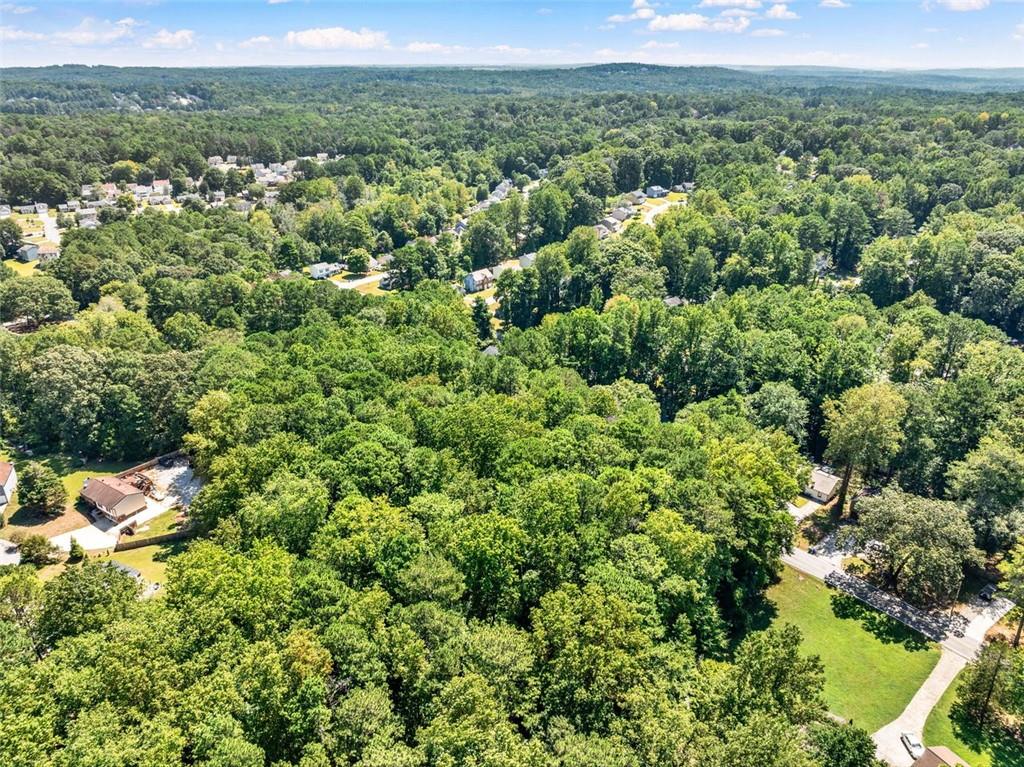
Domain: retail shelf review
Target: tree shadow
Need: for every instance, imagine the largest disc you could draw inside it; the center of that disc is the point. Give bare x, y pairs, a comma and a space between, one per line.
761, 614
885, 629
1006, 751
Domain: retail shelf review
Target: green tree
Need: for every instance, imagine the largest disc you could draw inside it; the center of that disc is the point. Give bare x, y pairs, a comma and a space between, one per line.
864, 430
40, 489
85, 597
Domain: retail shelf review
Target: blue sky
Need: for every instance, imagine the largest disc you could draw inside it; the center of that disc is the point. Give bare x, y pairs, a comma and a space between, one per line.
851, 33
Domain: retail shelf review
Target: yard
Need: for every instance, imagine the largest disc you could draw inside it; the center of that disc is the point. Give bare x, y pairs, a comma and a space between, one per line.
980, 748
72, 473
150, 561
22, 270
873, 665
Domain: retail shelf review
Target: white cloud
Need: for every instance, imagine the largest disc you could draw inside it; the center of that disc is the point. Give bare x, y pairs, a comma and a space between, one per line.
92, 31
12, 35
1018, 33
441, 48
544, 11
695, 22
643, 12
963, 5
833, 4
337, 38
178, 40
277, 2
920, 46
751, 4
256, 42
654, 45
768, 32
728, 12
781, 12
17, 10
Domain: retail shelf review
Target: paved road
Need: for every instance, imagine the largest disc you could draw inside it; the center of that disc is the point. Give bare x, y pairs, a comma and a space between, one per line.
958, 638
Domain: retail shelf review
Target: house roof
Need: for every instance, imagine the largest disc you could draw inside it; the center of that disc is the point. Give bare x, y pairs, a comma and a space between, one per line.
823, 481
939, 756
108, 491
482, 274
5, 472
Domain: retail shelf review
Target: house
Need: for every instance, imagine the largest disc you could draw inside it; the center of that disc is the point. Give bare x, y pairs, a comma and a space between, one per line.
41, 207
27, 252
460, 227
113, 497
26, 210
479, 280
636, 197
526, 260
321, 156
609, 223
110, 190
162, 186
602, 231
622, 214
939, 756
231, 159
672, 301
5, 211
88, 223
215, 160
322, 270
8, 483
74, 205
492, 351
48, 252
656, 191
824, 485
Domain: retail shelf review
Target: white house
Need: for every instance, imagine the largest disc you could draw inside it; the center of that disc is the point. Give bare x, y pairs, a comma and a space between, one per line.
479, 280
322, 270
656, 191
8, 483
823, 486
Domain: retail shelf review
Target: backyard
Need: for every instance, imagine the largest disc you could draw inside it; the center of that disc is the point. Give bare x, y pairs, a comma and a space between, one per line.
861, 649
981, 748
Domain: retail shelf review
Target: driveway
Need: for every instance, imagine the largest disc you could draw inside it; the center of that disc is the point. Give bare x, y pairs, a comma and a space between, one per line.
649, 215
50, 228
9, 554
959, 636
887, 740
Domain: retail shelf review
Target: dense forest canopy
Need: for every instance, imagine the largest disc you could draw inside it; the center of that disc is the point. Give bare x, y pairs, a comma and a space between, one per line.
423, 543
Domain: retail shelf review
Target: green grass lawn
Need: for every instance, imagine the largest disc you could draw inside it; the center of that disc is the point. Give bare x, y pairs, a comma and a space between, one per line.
980, 748
161, 525
873, 664
151, 561
22, 270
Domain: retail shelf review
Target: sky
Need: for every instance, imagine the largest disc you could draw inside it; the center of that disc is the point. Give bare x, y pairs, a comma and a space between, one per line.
905, 34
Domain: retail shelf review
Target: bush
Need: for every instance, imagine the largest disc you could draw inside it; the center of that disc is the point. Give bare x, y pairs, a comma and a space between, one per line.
36, 550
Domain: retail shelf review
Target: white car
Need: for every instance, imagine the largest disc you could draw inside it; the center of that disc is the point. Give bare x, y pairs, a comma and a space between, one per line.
913, 744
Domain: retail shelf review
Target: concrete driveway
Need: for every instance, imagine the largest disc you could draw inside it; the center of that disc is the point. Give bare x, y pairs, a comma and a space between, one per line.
960, 637
9, 554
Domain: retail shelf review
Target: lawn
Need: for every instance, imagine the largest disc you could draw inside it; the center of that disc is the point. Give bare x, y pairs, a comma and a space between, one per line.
151, 561
72, 473
21, 269
873, 665
161, 525
980, 748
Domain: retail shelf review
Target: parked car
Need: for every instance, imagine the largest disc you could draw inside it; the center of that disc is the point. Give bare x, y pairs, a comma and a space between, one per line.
989, 592
913, 744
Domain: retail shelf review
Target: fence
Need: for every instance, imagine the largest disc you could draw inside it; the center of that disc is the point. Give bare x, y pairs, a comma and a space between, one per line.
127, 544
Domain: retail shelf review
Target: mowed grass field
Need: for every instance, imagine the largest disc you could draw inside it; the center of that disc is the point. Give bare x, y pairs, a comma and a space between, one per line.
979, 747
873, 665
